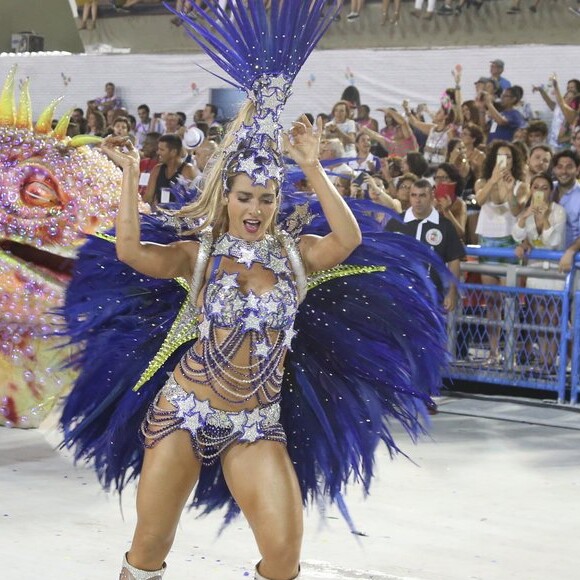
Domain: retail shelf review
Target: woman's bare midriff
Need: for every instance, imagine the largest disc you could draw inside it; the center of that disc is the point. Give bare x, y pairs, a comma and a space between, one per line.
205, 392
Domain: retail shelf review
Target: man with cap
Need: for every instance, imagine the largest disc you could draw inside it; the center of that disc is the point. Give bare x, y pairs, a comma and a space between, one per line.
495, 70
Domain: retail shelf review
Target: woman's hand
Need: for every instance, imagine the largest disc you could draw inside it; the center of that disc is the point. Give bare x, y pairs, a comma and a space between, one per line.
496, 174
374, 190
442, 204
302, 142
121, 151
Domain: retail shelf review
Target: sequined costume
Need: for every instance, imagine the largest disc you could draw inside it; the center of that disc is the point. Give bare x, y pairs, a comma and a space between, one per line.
260, 324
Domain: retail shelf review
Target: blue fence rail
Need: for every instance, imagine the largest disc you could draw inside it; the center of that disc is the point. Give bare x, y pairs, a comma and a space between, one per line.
514, 335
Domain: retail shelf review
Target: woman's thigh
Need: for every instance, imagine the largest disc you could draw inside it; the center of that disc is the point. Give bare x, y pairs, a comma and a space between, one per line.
169, 473
263, 482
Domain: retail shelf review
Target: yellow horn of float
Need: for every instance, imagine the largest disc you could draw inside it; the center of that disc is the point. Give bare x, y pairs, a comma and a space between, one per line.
80, 140
7, 111
24, 114
44, 123
62, 126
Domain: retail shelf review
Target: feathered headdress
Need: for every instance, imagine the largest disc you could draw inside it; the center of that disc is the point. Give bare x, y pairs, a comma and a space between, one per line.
262, 51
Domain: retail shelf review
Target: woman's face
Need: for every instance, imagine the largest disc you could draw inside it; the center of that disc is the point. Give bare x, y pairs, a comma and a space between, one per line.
403, 190
508, 153
543, 185
460, 149
466, 113
363, 145
339, 113
569, 96
120, 129
441, 176
467, 137
251, 208
439, 116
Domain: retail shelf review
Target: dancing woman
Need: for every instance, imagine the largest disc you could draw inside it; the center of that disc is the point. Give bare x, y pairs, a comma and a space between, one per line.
232, 375
304, 417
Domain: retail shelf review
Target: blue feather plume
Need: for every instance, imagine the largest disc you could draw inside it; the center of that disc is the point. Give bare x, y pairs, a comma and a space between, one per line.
247, 42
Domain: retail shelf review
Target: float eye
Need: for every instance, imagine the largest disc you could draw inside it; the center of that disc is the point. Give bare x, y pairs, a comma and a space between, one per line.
39, 188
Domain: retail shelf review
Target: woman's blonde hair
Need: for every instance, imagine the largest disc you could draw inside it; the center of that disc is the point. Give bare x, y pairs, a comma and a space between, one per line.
209, 207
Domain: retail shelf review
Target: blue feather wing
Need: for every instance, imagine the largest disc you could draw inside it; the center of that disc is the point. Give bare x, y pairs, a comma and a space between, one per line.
119, 318
370, 350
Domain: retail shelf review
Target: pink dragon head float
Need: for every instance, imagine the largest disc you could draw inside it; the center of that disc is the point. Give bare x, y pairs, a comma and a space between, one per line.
53, 191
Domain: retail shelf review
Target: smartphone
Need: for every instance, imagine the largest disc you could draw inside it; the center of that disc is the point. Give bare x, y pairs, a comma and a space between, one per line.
445, 190
359, 178
537, 198
501, 160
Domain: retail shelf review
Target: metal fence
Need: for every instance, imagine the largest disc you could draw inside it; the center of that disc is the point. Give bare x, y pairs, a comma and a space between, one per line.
514, 335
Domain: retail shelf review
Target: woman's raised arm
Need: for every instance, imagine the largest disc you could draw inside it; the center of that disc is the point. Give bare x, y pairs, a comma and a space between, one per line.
156, 260
320, 253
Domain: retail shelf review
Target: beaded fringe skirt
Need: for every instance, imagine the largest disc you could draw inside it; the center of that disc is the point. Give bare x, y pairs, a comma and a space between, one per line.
211, 430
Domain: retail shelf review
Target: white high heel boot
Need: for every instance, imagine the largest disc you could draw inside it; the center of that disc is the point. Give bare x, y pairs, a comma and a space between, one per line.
131, 573
258, 576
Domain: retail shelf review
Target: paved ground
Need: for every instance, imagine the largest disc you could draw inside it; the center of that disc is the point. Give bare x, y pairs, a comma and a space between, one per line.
493, 495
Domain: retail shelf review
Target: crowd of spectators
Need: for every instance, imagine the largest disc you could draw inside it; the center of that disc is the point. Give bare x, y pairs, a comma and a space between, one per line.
488, 168
352, 8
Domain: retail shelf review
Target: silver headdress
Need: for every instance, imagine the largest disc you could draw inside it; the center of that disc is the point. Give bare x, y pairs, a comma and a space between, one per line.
262, 51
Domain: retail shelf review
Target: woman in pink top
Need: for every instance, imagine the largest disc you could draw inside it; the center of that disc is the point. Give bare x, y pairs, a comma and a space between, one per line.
402, 139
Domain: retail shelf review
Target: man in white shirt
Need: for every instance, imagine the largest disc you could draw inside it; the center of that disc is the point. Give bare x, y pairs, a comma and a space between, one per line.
147, 125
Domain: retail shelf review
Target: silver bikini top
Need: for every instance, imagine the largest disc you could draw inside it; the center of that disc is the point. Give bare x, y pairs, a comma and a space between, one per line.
226, 306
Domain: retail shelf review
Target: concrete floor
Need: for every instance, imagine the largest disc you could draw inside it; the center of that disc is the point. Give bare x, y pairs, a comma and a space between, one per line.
493, 495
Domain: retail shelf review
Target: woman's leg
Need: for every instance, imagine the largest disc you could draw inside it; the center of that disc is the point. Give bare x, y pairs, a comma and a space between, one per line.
85, 16
94, 12
263, 482
170, 471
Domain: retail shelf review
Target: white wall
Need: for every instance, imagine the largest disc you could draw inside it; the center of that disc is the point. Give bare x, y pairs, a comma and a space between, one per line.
383, 77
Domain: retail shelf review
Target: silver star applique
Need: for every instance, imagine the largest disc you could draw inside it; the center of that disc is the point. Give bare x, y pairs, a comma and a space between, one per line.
238, 421
262, 349
271, 306
223, 246
254, 417
278, 265
204, 329
248, 165
228, 281
260, 177
267, 125
247, 256
288, 336
250, 434
193, 422
251, 322
283, 286
252, 301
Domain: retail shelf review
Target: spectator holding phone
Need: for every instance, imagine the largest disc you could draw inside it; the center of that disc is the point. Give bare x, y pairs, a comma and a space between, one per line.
502, 194
542, 225
365, 160
448, 200
505, 124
